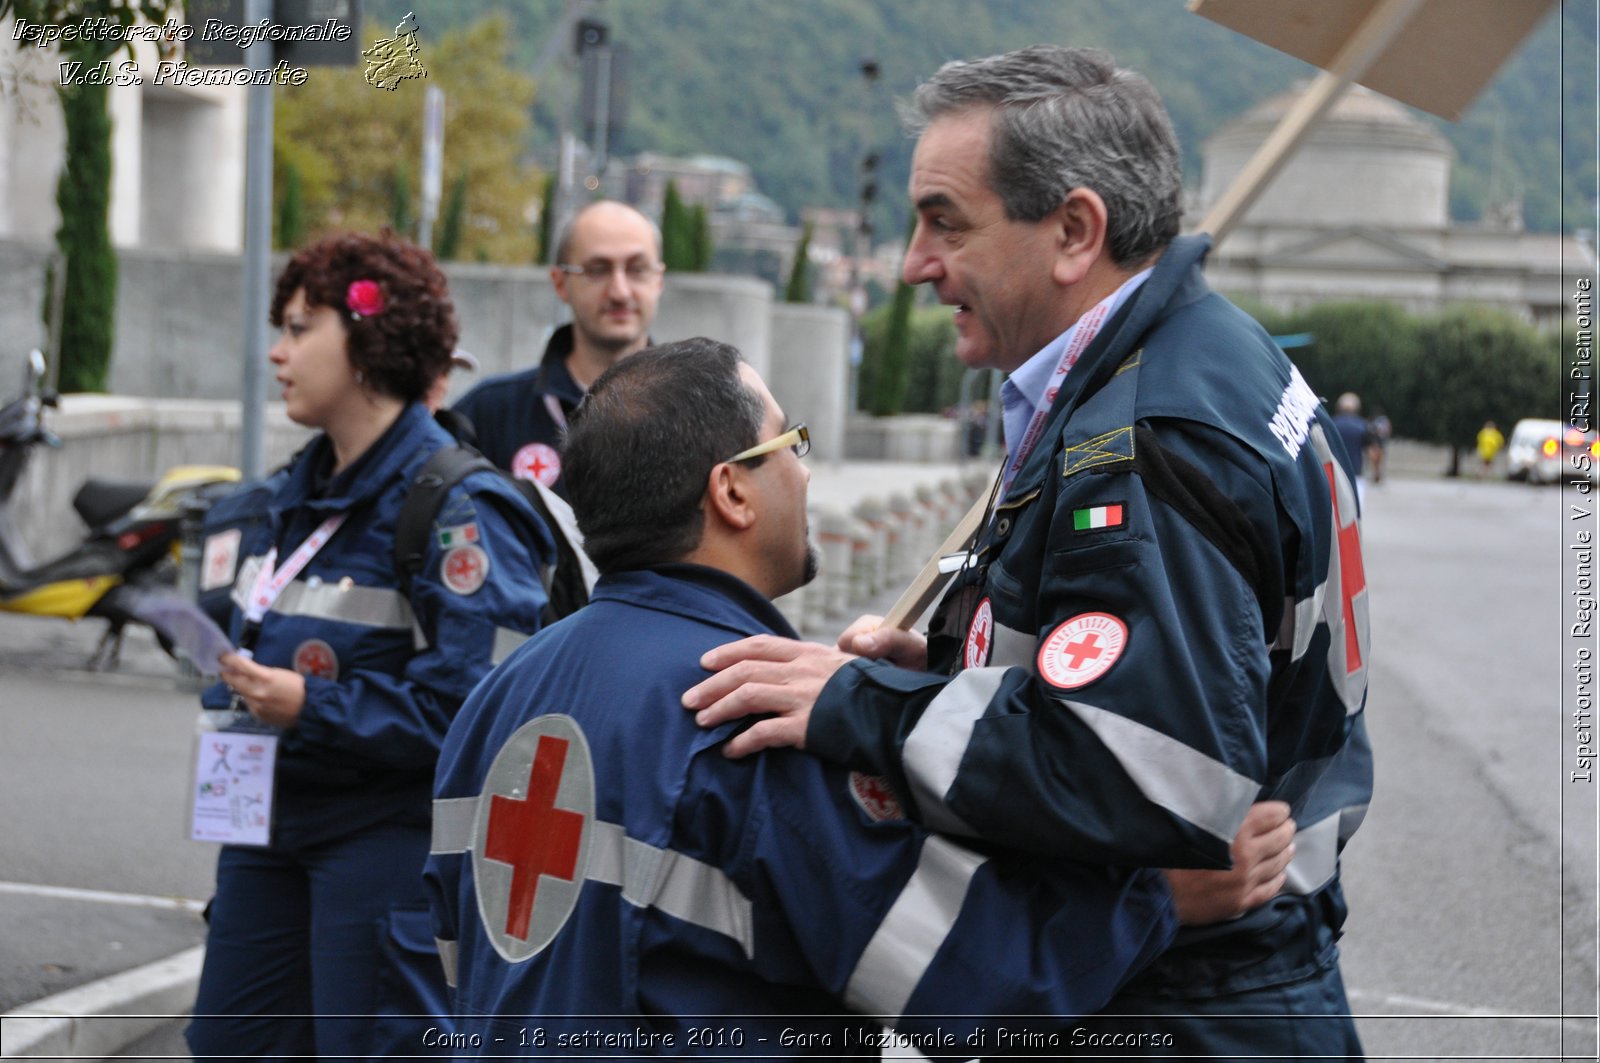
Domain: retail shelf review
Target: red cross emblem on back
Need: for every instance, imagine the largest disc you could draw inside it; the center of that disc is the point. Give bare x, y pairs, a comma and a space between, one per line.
534, 836
1352, 574
530, 853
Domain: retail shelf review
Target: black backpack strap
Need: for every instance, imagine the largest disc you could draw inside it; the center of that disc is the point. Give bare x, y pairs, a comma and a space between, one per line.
432, 483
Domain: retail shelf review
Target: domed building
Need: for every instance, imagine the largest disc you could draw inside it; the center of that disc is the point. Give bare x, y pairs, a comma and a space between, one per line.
1362, 211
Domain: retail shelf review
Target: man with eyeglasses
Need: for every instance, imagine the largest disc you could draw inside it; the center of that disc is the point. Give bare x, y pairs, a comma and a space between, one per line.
598, 861
608, 270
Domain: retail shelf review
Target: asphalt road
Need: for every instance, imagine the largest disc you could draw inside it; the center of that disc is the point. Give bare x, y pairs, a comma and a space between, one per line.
1471, 884
1470, 903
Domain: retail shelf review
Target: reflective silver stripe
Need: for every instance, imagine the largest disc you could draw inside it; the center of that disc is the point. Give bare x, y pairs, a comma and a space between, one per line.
934, 748
650, 877
1300, 623
1180, 779
1316, 856
1316, 849
909, 937
452, 825
449, 959
1014, 649
1350, 820
371, 606
506, 640
670, 882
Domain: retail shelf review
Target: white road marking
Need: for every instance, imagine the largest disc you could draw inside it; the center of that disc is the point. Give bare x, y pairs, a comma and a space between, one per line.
132, 900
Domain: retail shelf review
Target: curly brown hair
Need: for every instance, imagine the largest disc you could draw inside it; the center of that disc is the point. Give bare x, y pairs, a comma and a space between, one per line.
401, 350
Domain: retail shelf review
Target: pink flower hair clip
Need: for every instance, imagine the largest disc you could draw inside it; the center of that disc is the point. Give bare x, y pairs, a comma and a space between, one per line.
364, 298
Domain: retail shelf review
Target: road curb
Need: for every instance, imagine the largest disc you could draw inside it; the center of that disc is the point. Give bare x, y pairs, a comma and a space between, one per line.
99, 1019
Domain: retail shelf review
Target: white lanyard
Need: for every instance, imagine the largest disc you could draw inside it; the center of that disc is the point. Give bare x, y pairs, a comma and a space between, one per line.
269, 583
1083, 332
557, 414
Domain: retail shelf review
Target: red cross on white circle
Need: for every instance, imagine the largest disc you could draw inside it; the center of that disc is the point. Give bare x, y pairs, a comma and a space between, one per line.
316, 658
1082, 650
1085, 649
537, 461
464, 568
980, 636
531, 835
534, 836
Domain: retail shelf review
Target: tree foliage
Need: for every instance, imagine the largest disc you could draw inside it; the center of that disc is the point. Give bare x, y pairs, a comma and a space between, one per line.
677, 237
349, 140
83, 195
1369, 348
402, 219
701, 249
1437, 376
547, 221
291, 214
798, 289
788, 98
1479, 365
447, 244
83, 190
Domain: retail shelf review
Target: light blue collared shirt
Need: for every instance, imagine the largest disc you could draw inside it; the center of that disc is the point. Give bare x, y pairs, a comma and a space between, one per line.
1023, 391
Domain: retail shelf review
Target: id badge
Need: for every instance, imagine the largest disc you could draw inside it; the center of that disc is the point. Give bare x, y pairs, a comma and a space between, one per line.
230, 789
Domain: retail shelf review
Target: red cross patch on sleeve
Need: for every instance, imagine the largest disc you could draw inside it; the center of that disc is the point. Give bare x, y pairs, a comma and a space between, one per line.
1082, 650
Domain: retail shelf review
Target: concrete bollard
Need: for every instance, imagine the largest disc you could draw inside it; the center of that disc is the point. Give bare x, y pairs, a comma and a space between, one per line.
905, 536
934, 524
834, 534
875, 515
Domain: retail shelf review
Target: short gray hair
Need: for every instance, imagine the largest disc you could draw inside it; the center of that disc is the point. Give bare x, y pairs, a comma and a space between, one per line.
1068, 118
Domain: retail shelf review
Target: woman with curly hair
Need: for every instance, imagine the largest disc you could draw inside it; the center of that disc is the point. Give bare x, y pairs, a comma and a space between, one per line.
320, 942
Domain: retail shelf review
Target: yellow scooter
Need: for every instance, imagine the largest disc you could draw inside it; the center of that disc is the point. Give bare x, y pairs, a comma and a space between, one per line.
135, 528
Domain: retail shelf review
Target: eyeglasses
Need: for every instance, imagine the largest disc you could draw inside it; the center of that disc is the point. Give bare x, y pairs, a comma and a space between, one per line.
600, 271
798, 438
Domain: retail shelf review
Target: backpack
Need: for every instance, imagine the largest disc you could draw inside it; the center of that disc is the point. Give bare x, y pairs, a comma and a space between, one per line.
567, 579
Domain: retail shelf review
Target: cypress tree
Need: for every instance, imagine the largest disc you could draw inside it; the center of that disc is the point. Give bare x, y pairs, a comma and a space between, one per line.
291, 210
450, 227
547, 221
83, 196
700, 234
893, 371
400, 216
677, 245
799, 289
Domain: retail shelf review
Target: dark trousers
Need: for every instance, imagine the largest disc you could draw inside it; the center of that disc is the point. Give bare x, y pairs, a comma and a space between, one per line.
1273, 993
326, 951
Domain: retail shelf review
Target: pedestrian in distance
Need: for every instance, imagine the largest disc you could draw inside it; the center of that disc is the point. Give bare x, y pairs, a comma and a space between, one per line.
609, 272
1164, 617
658, 897
1378, 451
1357, 437
319, 942
1490, 443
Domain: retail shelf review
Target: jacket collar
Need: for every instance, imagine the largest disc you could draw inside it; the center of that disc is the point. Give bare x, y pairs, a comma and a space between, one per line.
387, 459
1175, 281
706, 594
554, 376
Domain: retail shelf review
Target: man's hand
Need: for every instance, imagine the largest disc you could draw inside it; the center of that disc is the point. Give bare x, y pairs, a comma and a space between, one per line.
1261, 853
272, 695
908, 649
760, 675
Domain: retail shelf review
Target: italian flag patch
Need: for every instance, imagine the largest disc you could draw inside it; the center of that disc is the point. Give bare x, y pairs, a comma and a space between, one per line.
460, 535
1094, 518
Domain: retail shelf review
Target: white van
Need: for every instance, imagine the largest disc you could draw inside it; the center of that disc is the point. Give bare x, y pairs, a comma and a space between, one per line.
1542, 452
